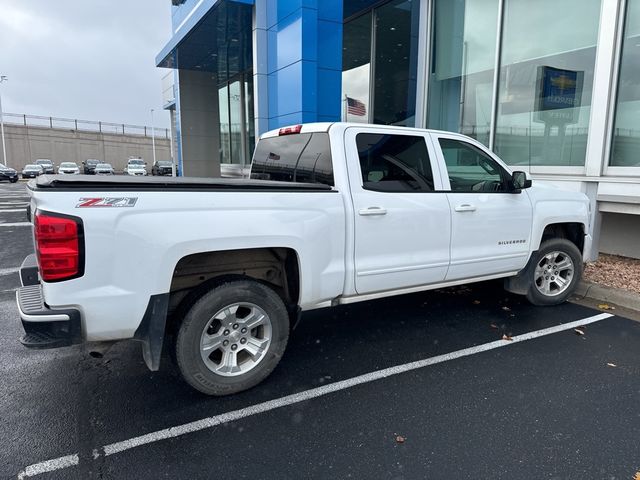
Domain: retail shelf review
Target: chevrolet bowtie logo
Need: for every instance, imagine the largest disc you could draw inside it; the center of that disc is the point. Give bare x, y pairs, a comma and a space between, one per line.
563, 82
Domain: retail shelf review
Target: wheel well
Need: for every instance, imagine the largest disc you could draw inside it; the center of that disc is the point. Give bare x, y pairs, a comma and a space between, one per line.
574, 232
276, 267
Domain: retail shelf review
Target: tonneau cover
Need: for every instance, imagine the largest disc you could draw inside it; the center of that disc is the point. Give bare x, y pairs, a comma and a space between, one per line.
129, 183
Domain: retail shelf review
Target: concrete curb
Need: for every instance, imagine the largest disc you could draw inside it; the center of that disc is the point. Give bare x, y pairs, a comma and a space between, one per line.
617, 296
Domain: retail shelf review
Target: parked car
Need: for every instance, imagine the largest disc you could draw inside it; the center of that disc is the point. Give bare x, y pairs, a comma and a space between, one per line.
383, 211
89, 166
162, 167
32, 171
136, 166
104, 169
47, 165
68, 168
7, 173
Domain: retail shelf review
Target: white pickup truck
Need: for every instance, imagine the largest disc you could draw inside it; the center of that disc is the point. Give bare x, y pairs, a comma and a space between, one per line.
220, 269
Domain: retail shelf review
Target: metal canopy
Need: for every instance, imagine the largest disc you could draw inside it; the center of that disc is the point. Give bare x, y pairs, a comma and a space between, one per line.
215, 38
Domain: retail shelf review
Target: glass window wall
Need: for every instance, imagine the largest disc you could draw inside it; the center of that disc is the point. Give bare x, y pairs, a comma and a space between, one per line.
626, 134
381, 47
395, 62
237, 131
462, 66
356, 65
546, 78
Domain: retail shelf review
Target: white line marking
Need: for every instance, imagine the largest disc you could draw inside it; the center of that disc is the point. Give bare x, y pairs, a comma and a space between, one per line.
12, 210
17, 224
227, 417
8, 271
49, 466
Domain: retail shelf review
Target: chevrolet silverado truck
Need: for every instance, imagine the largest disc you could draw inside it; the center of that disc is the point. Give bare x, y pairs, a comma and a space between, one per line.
219, 270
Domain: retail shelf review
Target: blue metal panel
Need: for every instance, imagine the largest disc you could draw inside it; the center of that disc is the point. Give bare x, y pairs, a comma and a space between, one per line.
330, 35
304, 60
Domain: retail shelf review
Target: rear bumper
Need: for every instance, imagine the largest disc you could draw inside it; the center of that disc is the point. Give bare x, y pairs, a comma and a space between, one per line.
44, 327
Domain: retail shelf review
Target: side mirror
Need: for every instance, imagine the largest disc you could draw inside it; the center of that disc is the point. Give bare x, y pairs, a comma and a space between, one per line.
520, 180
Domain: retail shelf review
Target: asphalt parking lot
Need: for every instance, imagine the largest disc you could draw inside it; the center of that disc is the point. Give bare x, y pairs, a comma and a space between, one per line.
347, 401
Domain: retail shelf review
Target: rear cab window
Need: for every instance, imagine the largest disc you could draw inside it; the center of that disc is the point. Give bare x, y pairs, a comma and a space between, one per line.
300, 158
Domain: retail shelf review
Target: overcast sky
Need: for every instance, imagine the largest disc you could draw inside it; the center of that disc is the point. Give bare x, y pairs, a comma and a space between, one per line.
85, 59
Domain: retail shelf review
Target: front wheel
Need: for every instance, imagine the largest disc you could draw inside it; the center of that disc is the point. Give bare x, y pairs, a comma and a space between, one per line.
232, 337
555, 272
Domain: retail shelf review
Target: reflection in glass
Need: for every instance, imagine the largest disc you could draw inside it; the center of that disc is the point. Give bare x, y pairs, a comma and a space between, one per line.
626, 134
235, 121
462, 66
356, 65
225, 137
395, 63
249, 120
546, 79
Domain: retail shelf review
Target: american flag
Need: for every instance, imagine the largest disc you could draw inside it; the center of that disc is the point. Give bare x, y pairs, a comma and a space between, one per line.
356, 107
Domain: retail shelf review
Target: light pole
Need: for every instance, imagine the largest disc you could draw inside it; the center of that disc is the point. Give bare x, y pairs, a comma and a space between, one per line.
3, 78
153, 138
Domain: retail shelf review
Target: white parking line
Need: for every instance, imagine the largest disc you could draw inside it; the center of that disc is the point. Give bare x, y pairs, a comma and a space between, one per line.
11, 210
16, 224
209, 422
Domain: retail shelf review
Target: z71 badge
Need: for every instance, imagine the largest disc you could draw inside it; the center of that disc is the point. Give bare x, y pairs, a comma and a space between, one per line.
107, 202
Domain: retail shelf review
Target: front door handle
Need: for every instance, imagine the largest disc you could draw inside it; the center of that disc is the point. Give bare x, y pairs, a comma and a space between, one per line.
465, 207
367, 212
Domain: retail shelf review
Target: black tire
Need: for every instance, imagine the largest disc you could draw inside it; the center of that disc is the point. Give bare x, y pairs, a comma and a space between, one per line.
564, 247
14, 180
193, 368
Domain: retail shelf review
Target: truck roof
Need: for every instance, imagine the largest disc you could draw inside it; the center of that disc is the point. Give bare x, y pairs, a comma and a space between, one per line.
326, 126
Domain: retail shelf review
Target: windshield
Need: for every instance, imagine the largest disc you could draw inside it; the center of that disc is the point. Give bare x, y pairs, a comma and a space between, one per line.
93, 162
136, 162
32, 167
44, 162
68, 165
164, 164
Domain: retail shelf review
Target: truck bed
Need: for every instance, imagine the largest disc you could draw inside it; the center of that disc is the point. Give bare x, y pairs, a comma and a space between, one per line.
131, 183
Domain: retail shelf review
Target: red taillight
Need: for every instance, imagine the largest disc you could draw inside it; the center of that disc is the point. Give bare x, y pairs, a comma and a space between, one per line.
290, 130
58, 246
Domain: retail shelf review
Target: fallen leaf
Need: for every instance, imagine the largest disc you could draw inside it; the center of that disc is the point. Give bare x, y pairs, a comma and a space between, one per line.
494, 326
507, 337
579, 331
606, 306
506, 309
400, 439
636, 476
476, 302
614, 365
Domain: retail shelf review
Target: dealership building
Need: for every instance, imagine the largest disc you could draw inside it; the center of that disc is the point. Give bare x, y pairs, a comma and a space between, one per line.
551, 86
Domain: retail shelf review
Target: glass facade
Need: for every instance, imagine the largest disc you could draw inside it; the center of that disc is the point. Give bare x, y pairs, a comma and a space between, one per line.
625, 151
463, 53
237, 130
380, 55
546, 80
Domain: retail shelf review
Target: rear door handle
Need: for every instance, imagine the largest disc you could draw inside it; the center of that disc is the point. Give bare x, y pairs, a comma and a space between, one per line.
465, 207
367, 212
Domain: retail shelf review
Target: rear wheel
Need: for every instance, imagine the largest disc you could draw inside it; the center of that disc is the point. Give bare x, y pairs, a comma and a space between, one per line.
555, 272
232, 337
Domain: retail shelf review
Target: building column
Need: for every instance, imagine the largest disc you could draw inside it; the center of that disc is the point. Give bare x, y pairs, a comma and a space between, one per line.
297, 62
199, 124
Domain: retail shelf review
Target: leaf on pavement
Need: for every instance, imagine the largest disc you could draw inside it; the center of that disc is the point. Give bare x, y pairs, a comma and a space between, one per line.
494, 326
506, 309
614, 365
636, 476
476, 302
507, 337
606, 306
579, 330
400, 439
